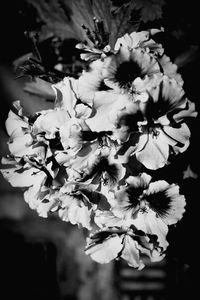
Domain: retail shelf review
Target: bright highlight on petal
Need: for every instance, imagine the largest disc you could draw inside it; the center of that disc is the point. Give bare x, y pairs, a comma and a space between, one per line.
94, 159
106, 251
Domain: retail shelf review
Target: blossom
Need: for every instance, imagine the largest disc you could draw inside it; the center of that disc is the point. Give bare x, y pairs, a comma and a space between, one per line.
151, 206
106, 104
135, 55
78, 201
20, 137
91, 158
90, 82
141, 39
71, 134
170, 69
95, 163
120, 70
126, 243
69, 97
75, 205
35, 179
50, 121
97, 42
163, 130
65, 94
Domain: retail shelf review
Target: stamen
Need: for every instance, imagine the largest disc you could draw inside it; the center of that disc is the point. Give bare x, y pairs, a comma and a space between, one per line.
155, 132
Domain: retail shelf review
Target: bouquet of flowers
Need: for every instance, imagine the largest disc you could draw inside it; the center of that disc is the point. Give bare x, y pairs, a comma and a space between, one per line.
91, 158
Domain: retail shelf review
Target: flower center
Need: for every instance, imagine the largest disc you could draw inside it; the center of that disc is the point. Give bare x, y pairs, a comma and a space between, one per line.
154, 131
149, 128
134, 195
160, 203
126, 73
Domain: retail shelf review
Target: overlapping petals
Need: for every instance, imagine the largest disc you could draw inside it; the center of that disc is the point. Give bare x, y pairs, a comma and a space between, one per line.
141, 39
151, 206
160, 130
126, 243
20, 137
121, 69
84, 159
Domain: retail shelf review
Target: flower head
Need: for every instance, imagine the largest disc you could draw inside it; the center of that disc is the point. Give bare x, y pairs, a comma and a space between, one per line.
91, 158
129, 244
152, 206
161, 130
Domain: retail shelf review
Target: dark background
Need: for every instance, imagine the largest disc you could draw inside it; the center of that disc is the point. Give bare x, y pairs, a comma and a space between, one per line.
32, 263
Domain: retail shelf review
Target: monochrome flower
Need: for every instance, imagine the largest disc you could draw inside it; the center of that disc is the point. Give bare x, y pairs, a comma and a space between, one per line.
121, 70
93, 159
126, 243
141, 39
162, 130
152, 206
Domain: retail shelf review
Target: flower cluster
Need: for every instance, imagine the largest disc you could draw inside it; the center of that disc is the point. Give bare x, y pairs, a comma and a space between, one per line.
88, 159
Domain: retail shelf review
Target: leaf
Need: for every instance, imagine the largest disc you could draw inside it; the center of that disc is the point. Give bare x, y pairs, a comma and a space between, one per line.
121, 21
150, 10
65, 18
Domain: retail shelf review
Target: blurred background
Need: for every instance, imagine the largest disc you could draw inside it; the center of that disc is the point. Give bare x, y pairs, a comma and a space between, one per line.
44, 258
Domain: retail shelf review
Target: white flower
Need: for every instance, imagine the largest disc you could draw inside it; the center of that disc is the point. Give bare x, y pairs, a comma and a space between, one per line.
20, 137
84, 158
78, 201
75, 211
50, 121
140, 39
126, 243
71, 134
121, 70
152, 207
163, 130
65, 95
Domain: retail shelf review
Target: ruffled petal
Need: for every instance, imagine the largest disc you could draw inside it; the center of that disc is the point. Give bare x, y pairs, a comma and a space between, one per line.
66, 94
21, 145
155, 153
131, 253
71, 134
166, 200
170, 69
106, 219
79, 214
180, 137
105, 105
105, 251
33, 193
19, 177
151, 224
49, 121
15, 126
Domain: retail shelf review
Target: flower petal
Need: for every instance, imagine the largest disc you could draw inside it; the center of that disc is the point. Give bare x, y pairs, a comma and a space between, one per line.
79, 214
15, 125
106, 251
131, 253
151, 224
65, 92
180, 136
155, 153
